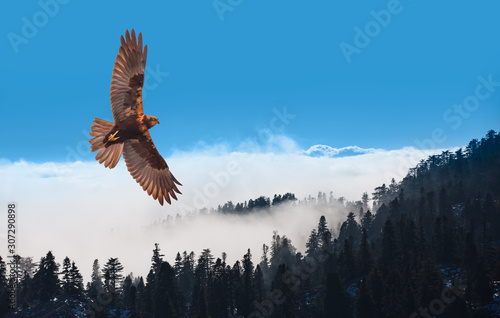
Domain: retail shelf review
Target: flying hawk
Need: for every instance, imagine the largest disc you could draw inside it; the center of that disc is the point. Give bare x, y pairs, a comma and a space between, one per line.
129, 133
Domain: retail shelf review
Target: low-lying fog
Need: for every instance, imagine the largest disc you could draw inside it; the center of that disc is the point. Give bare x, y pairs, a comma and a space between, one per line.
84, 211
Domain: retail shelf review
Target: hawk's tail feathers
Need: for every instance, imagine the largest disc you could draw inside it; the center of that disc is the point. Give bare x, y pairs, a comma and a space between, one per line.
109, 155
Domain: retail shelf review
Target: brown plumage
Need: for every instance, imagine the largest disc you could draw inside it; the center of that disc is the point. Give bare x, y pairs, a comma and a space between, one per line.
129, 133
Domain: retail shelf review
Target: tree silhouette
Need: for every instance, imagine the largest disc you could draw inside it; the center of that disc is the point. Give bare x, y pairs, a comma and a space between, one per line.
113, 276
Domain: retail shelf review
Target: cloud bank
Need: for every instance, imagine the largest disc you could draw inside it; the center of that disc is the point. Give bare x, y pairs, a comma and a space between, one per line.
84, 211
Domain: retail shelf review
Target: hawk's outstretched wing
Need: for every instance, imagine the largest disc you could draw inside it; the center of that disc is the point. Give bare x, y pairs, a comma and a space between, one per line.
149, 169
128, 78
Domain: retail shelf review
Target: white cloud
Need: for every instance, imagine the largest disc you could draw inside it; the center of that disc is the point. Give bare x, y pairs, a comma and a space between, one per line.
84, 211
324, 150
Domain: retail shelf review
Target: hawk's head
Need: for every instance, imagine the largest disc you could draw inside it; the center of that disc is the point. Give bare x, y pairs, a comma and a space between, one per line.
152, 120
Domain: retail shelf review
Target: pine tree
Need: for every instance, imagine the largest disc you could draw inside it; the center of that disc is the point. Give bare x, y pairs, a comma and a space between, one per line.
363, 306
284, 282
113, 278
312, 244
26, 294
220, 298
389, 251
156, 260
480, 285
376, 291
76, 287
147, 295
46, 280
201, 305
429, 282
367, 220
246, 295
132, 305
336, 303
364, 199
168, 300
126, 287
364, 255
324, 235
350, 229
95, 280
347, 261
186, 276
394, 210
66, 280
139, 300
259, 284
3, 288
178, 265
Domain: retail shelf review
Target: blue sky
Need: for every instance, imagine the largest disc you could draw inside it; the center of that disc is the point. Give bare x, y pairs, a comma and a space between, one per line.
216, 76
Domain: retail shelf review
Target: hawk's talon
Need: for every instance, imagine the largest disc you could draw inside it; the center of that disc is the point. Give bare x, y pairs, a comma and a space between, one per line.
112, 137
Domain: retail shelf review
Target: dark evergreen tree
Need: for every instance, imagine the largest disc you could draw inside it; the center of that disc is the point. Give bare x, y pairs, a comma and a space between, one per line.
178, 265
127, 284
26, 293
156, 261
348, 264
201, 306
76, 288
367, 220
429, 283
220, 299
132, 304
376, 291
245, 295
363, 306
186, 276
336, 303
46, 280
139, 296
147, 294
66, 282
284, 284
324, 235
364, 257
389, 248
4, 297
113, 276
259, 284
96, 280
168, 300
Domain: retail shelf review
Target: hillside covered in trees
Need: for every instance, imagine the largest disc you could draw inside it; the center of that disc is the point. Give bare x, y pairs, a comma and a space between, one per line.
427, 246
